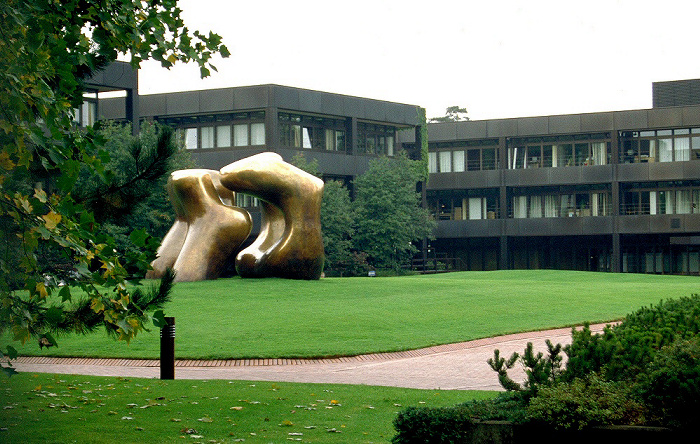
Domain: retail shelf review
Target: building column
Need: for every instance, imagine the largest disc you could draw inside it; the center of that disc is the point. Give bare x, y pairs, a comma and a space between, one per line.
352, 135
271, 128
616, 259
132, 110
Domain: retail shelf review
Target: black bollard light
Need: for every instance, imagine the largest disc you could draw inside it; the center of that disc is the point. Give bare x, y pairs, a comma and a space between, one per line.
167, 349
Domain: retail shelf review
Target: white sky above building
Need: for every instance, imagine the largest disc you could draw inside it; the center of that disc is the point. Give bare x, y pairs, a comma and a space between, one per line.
497, 58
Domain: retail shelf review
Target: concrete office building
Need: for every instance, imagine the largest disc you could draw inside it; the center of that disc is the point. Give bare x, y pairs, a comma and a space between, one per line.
609, 191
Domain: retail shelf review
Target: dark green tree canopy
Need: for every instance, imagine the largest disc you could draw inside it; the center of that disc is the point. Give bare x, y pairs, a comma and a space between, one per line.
452, 114
388, 215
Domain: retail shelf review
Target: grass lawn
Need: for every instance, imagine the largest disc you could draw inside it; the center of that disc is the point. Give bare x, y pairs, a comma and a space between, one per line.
266, 318
43, 408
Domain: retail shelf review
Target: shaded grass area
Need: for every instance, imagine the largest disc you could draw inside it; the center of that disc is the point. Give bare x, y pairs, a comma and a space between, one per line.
43, 408
268, 318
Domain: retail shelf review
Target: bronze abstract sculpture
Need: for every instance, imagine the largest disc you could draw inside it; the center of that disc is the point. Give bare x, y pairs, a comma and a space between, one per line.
294, 198
208, 229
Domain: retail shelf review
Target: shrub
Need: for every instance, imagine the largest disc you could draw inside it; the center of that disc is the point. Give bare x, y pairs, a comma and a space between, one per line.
624, 351
586, 402
432, 425
671, 386
455, 424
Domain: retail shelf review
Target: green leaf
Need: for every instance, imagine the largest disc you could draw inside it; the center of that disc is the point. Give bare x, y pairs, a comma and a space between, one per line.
11, 352
139, 237
54, 315
9, 371
65, 293
159, 319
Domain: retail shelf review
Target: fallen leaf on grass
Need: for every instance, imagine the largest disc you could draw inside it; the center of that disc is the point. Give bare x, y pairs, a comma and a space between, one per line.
205, 419
236, 408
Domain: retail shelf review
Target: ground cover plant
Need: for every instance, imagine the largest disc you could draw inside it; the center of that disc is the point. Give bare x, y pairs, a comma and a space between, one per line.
270, 318
67, 408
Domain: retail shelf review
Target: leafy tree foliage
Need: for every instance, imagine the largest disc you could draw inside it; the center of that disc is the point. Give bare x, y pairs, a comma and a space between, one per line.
136, 196
388, 215
48, 49
337, 225
452, 114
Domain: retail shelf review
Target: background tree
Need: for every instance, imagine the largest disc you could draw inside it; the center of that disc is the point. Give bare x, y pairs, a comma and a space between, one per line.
336, 217
337, 225
136, 197
452, 114
388, 215
48, 49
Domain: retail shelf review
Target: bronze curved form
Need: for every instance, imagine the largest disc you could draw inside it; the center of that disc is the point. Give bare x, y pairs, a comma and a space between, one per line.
249, 261
296, 253
206, 232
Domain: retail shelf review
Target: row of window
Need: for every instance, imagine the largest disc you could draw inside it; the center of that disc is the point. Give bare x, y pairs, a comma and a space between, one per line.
635, 147
465, 208
660, 146
311, 132
225, 136
457, 161
565, 154
686, 201
680, 260
561, 205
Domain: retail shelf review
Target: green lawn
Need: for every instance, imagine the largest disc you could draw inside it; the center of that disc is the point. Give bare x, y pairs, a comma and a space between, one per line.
237, 318
42, 408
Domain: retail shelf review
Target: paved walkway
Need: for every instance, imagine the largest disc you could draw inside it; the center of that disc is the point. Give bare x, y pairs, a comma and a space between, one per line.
460, 366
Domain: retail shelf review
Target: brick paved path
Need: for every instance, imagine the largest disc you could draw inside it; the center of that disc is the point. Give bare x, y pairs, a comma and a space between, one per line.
460, 366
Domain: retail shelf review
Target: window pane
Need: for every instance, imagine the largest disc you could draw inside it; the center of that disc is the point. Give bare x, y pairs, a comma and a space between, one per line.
223, 136
257, 134
191, 138
473, 160
432, 163
330, 140
458, 161
240, 135
681, 149
600, 156
390, 145
519, 207
665, 154
306, 138
489, 159
340, 140
445, 161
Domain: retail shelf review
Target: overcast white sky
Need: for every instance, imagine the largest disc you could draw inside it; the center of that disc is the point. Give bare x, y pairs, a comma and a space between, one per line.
497, 58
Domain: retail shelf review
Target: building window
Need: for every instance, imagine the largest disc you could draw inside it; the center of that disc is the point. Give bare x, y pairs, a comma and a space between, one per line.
663, 199
257, 133
541, 153
445, 161
248, 129
240, 135
191, 138
561, 204
375, 139
676, 145
223, 136
311, 132
461, 205
246, 200
432, 162
207, 133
